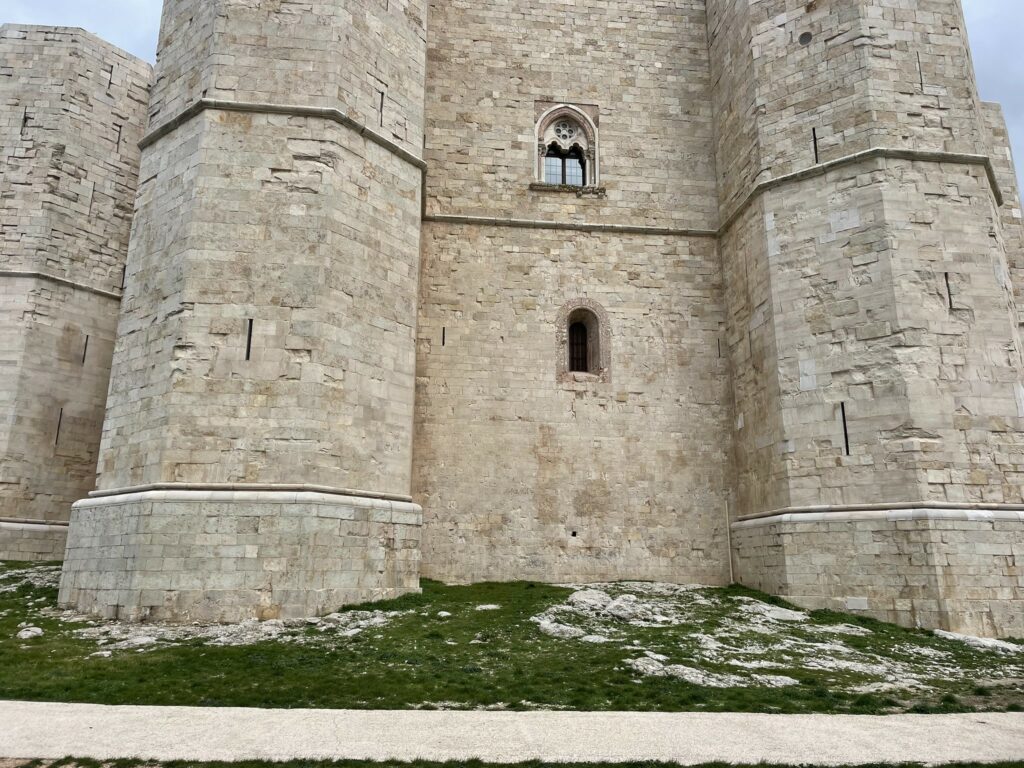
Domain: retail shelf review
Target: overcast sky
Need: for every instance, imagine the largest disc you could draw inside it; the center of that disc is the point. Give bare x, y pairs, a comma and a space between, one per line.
996, 28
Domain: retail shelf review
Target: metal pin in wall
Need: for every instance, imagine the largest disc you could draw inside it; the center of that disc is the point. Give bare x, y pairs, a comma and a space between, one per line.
846, 430
248, 342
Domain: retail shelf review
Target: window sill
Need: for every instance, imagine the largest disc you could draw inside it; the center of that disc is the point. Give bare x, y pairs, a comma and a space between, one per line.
538, 186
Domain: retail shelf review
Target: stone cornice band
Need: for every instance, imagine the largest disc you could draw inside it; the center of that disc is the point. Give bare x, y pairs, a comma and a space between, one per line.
292, 110
916, 510
916, 155
61, 281
15, 523
323, 490
337, 116
627, 229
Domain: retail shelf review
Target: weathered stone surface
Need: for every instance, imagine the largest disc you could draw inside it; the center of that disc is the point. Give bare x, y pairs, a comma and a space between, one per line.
183, 556
72, 110
801, 266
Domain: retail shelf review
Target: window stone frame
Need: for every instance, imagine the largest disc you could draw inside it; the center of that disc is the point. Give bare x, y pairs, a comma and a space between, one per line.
592, 151
598, 331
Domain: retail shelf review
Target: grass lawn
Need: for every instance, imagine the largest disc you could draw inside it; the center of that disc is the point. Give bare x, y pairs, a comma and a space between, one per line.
492, 645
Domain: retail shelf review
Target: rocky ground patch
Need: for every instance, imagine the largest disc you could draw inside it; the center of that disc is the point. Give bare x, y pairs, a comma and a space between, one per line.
508, 646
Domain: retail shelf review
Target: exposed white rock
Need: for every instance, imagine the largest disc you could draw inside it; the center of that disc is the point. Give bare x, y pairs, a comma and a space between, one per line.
984, 643
443, 615
589, 599
28, 633
488, 607
561, 631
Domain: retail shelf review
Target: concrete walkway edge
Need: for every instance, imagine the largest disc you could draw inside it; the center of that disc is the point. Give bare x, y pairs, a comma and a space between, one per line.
49, 730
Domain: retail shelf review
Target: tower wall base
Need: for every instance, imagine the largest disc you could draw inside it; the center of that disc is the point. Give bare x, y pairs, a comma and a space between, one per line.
960, 570
233, 555
25, 540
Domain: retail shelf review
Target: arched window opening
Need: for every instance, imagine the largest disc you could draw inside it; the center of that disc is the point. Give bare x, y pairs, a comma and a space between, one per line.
567, 148
578, 362
584, 343
568, 168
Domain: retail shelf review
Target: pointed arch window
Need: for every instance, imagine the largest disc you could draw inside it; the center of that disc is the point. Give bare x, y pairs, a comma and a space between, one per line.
567, 148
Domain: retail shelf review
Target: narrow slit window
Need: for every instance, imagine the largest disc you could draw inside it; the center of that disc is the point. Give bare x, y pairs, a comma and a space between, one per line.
60, 421
846, 429
248, 342
85, 349
579, 348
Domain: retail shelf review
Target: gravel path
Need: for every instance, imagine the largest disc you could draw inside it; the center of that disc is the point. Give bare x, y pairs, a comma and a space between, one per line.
44, 730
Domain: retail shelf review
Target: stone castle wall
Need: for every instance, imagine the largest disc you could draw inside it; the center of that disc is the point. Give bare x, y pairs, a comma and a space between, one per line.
73, 113
267, 337
872, 310
805, 255
522, 473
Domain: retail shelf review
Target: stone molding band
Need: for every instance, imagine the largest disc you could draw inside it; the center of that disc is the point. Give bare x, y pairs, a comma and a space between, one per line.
888, 153
235, 488
888, 513
11, 523
61, 281
626, 229
292, 110
916, 155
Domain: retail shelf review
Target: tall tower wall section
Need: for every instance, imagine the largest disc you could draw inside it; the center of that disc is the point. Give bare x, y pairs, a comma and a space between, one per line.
525, 469
261, 414
872, 310
73, 112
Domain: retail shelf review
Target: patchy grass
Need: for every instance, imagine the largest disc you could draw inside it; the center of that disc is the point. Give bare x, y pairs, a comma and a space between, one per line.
84, 763
403, 654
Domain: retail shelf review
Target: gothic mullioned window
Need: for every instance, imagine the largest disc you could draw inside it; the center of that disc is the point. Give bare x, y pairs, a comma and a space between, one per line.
567, 148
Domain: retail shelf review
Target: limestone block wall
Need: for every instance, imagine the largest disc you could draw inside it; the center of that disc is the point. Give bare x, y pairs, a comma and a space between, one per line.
868, 298
930, 568
267, 338
162, 556
522, 473
643, 68
268, 328
73, 113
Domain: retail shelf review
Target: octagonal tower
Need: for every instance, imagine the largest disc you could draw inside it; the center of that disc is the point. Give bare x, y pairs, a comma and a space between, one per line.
256, 453
872, 312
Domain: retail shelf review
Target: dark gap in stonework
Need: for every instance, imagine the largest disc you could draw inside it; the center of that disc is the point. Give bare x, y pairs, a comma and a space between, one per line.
846, 429
248, 342
949, 292
381, 108
24, 122
444, 336
85, 349
814, 137
124, 276
60, 420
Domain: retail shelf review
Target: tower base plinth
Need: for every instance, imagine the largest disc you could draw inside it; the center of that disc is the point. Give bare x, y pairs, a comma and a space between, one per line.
933, 567
233, 555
